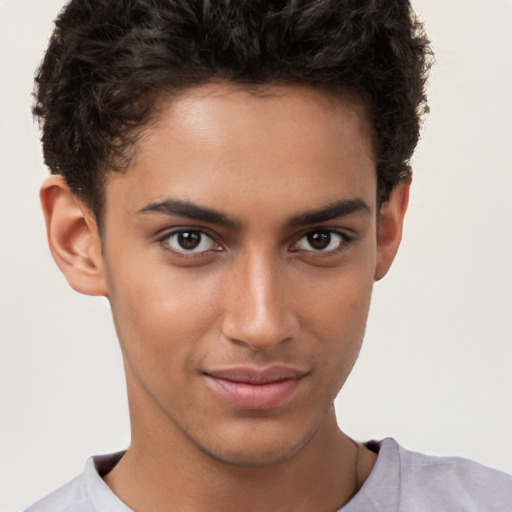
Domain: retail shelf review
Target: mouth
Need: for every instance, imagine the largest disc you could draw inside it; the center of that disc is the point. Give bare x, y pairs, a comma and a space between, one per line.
250, 388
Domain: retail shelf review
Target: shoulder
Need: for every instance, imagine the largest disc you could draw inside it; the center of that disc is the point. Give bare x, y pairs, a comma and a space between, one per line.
71, 496
458, 483
406, 481
85, 493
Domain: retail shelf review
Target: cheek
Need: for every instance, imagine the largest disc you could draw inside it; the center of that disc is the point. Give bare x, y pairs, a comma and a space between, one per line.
336, 315
338, 301
343, 330
341, 343
160, 312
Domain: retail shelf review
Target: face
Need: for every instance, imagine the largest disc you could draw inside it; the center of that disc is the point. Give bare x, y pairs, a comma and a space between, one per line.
240, 251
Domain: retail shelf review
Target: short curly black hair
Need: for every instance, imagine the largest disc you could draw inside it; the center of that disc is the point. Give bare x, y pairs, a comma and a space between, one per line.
109, 61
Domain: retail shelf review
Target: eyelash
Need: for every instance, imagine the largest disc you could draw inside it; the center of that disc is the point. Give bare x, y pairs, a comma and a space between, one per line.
164, 241
343, 245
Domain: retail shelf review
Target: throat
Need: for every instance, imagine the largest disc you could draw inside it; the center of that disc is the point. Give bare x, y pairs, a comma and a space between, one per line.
324, 475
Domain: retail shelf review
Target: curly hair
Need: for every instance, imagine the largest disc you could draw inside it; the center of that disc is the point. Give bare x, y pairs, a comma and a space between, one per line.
109, 61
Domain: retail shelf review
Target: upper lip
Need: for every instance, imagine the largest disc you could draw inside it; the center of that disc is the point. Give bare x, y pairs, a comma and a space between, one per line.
251, 375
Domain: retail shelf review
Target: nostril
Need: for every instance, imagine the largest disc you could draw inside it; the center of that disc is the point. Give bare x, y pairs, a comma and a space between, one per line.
259, 332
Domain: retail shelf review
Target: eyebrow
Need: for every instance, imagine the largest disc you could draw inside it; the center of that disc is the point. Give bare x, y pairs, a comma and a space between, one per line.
181, 208
188, 210
333, 210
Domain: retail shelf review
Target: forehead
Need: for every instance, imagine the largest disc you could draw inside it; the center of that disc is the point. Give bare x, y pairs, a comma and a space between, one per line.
223, 145
221, 112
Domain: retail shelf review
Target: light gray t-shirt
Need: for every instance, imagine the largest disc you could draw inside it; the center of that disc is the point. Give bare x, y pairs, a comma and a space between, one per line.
401, 481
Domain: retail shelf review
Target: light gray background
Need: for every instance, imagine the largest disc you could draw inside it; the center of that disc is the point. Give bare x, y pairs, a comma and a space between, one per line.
435, 370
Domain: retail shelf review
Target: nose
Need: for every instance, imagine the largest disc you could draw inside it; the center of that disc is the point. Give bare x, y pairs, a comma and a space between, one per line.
259, 310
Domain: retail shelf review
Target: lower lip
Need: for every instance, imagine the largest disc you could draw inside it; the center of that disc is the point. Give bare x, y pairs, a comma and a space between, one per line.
255, 396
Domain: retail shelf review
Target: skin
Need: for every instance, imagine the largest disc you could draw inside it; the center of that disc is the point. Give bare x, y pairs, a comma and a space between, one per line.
255, 293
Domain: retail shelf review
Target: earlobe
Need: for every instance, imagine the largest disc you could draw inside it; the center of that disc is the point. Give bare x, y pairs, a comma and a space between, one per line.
391, 223
73, 237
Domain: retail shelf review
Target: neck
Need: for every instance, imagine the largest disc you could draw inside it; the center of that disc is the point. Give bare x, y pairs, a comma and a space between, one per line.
163, 471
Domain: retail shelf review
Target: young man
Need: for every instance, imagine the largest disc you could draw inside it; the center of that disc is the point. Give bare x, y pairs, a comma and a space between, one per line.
233, 177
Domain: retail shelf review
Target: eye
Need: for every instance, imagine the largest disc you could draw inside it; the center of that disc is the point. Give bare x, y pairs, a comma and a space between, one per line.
189, 241
322, 240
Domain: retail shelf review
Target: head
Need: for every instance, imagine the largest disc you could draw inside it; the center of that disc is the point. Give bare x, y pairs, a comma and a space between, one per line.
233, 176
111, 64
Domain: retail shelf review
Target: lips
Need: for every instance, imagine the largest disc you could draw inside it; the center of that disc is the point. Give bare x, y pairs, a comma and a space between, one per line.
250, 388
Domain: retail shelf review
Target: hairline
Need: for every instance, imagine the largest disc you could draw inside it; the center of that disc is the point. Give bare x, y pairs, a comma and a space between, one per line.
350, 98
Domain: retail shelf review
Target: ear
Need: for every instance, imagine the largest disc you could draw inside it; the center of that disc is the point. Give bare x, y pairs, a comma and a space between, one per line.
73, 237
391, 223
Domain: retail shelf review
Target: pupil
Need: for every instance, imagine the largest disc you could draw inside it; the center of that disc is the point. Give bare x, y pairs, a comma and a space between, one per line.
189, 239
319, 239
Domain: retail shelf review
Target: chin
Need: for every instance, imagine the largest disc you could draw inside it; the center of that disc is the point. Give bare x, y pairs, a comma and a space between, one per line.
250, 457
254, 450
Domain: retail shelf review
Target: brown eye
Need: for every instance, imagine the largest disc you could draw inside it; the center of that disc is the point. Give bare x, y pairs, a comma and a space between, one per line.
189, 241
322, 241
319, 240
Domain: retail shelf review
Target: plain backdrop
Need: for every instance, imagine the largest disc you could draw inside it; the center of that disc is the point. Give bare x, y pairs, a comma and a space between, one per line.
435, 371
